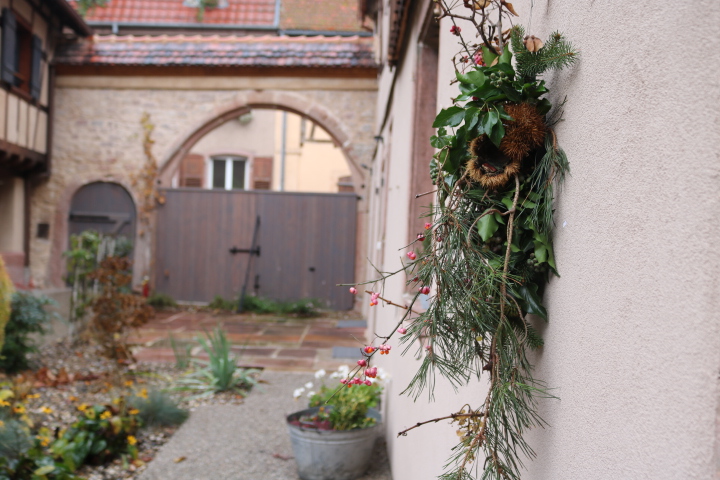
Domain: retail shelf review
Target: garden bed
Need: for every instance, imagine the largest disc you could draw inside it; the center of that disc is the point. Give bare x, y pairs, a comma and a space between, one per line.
68, 379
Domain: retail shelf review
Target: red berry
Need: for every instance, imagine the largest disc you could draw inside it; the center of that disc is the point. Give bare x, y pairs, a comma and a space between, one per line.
362, 363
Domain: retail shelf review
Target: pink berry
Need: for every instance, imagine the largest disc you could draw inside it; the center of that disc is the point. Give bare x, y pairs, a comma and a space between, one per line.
424, 290
371, 372
420, 237
362, 363
343, 381
428, 225
353, 290
455, 30
368, 382
369, 349
411, 255
402, 331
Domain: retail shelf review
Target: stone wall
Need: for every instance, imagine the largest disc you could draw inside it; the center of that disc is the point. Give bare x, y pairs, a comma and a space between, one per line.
98, 137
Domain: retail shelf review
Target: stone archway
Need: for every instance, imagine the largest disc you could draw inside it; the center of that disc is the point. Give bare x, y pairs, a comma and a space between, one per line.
290, 102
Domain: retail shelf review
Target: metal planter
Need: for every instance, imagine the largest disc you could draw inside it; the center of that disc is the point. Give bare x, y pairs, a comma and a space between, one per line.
331, 454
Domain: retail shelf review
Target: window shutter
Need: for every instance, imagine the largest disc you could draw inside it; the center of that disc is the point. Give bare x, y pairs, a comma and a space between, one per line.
262, 173
9, 47
36, 75
192, 171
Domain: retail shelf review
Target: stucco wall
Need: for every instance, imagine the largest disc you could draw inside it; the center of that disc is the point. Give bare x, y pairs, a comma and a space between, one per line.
632, 348
98, 137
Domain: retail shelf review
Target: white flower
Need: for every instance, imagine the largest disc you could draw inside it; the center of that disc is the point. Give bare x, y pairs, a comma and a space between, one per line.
310, 394
320, 373
309, 385
298, 392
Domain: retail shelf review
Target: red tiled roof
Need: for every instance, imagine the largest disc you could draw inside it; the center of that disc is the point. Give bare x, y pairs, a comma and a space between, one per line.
325, 15
230, 51
159, 12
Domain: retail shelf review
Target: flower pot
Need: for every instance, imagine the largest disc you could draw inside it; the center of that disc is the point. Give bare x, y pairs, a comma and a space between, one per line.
332, 454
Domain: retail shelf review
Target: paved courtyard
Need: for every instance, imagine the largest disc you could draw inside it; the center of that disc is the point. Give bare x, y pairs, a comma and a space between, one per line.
268, 341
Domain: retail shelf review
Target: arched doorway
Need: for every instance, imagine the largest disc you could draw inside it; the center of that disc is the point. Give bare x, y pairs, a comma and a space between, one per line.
104, 207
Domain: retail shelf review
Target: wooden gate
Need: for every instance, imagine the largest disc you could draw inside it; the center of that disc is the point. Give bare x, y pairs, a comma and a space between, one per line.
306, 240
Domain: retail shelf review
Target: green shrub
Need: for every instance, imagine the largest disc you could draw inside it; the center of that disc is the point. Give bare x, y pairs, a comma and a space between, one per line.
15, 439
219, 303
158, 409
161, 300
6, 291
303, 308
349, 405
27, 317
100, 433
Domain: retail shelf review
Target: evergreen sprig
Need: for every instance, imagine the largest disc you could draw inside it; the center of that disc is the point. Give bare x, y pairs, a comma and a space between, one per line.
556, 54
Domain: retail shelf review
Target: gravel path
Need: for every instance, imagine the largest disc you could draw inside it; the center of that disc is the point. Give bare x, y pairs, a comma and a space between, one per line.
243, 442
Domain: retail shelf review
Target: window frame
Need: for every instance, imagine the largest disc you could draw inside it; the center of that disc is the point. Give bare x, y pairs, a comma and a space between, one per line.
229, 166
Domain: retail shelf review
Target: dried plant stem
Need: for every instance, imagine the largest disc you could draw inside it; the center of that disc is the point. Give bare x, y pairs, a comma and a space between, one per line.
452, 416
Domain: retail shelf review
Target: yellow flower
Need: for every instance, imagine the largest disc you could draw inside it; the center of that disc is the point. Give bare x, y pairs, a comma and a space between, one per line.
143, 393
33, 395
90, 413
82, 407
131, 440
133, 411
47, 410
128, 383
105, 414
4, 403
72, 398
44, 441
2, 424
19, 409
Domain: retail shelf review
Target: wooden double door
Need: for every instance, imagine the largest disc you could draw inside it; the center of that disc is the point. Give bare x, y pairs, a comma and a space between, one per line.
306, 245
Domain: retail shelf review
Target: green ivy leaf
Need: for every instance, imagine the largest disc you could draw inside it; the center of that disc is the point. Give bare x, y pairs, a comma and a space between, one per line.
497, 133
511, 93
490, 119
499, 218
541, 253
471, 117
529, 300
449, 117
543, 106
503, 114
477, 78
488, 56
506, 57
487, 226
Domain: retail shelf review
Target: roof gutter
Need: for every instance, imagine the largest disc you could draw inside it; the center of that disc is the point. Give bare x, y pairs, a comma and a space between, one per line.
324, 33
116, 25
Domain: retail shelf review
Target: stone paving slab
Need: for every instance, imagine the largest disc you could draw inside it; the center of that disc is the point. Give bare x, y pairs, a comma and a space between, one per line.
276, 343
243, 442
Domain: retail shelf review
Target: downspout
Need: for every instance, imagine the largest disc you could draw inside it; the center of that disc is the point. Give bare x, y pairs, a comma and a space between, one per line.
276, 20
282, 151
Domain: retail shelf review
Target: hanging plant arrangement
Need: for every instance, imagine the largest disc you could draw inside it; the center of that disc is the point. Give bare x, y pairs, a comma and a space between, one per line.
487, 251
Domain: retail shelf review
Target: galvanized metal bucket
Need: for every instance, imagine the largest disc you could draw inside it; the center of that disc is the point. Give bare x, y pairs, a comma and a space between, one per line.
331, 454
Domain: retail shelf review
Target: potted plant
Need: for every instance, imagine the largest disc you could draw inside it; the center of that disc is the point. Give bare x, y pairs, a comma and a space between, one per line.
333, 439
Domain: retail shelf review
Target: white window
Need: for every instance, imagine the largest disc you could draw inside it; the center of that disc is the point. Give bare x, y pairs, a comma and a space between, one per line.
228, 173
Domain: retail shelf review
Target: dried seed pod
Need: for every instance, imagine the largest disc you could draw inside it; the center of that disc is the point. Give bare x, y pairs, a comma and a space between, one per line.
533, 44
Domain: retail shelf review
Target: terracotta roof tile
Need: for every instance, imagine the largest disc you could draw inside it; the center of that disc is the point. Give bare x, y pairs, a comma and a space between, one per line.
228, 51
325, 15
158, 12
